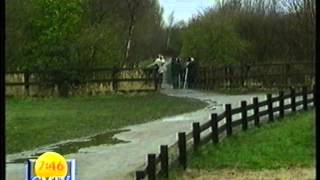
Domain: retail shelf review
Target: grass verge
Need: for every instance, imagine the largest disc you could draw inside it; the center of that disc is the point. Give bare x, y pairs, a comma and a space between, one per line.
286, 144
32, 122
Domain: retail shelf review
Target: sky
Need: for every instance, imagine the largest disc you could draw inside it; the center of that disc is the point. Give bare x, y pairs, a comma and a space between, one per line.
184, 9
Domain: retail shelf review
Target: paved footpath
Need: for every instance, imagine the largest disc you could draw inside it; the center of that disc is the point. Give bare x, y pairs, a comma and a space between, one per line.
119, 161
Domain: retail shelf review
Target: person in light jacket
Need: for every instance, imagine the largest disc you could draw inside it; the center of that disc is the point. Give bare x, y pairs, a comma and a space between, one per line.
158, 66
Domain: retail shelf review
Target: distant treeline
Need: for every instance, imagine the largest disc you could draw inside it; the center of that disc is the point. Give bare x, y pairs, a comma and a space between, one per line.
246, 31
50, 35
54, 34
46, 34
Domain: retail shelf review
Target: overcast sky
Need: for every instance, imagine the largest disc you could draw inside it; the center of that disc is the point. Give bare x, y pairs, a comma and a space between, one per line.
184, 9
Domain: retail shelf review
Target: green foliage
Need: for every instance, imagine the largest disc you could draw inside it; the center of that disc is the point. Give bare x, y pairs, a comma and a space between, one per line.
57, 20
59, 34
252, 32
54, 30
17, 45
55, 27
55, 36
213, 41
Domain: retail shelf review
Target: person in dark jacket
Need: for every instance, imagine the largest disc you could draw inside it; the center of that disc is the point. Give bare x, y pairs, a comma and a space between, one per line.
175, 72
182, 69
192, 72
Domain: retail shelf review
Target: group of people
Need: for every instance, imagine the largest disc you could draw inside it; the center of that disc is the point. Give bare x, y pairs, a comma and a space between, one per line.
182, 73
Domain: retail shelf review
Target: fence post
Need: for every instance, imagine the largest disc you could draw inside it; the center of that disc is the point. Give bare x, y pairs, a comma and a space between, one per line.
164, 159
206, 79
270, 108
281, 104
211, 77
293, 99
244, 119
226, 76
314, 95
256, 111
214, 128
247, 68
196, 135
114, 79
140, 175
231, 75
229, 119
182, 149
26, 82
286, 75
151, 168
242, 75
305, 98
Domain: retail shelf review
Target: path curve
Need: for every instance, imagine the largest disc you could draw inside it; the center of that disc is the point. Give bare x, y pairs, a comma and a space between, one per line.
120, 161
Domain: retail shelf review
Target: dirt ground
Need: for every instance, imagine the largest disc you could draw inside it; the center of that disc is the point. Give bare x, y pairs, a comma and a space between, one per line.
233, 174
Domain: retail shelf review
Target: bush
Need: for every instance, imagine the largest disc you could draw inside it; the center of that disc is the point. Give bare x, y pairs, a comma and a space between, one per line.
213, 41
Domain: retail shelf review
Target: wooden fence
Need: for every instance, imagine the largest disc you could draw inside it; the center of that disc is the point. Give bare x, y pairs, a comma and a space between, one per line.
158, 165
280, 74
113, 79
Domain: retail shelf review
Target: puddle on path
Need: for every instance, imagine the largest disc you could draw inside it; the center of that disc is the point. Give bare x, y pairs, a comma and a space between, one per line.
73, 147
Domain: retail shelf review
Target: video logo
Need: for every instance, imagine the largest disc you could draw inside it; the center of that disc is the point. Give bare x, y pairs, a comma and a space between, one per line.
50, 166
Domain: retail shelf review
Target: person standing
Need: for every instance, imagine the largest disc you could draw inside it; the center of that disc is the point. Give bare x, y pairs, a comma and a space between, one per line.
158, 68
182, 69
168, 73
187, 74
161, 69
192, 68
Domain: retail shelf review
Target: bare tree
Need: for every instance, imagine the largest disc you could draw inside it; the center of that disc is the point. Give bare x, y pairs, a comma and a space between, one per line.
303, 9
229, 5
302, 21
170, 26
132, 10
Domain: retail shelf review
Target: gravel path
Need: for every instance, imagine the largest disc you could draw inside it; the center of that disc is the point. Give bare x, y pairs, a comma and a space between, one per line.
119, 161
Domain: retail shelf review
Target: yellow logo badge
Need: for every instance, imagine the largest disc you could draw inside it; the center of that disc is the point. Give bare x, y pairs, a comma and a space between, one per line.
51, 164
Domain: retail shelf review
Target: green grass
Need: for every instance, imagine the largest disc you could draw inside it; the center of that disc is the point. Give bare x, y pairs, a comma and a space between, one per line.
31, 122
290, 143
278, 145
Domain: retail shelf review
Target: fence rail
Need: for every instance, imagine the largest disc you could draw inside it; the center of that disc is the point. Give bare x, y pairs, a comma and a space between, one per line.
280, 74
150, 171
111, 76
